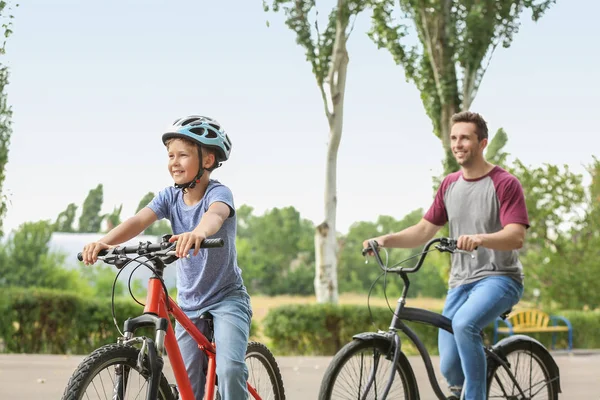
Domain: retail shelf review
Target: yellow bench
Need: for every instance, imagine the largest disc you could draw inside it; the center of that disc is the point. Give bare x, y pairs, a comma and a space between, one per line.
530, 321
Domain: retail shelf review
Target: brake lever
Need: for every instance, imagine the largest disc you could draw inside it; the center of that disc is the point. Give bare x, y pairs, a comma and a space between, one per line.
453, 250
118, 260
469, 253
373, 246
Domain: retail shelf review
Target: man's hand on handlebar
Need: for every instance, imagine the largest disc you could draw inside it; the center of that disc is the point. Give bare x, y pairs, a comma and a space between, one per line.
367, 248
469, 242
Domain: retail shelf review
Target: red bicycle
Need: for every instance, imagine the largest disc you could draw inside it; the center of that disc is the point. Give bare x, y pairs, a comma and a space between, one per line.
132, 368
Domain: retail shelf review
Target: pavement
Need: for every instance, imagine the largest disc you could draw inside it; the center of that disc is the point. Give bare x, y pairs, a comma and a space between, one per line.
41, 377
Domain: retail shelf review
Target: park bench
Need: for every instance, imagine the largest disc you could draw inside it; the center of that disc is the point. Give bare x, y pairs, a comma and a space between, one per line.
531, 321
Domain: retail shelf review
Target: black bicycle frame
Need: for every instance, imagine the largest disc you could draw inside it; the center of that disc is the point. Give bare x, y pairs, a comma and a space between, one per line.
439, 321
429, 318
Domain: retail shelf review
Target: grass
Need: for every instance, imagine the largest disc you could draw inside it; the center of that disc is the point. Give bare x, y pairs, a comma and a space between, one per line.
262, 304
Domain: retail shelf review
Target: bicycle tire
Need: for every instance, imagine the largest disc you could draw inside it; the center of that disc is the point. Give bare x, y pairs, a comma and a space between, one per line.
101, 359
500, 386
260, 352
378, 346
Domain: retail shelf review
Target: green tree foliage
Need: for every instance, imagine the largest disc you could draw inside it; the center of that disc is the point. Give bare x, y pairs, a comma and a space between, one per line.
145, 201
100, 279
495, 151
455, 43
91, 219
114, 218
5, 109
26, 260
554, 198
158, 228
276, 251
355, 276
64, 221
561, 250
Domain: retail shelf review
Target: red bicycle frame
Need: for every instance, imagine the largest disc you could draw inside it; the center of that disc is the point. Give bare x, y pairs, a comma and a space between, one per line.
156, 304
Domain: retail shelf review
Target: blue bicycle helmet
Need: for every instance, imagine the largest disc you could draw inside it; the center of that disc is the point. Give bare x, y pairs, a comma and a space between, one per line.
205, 132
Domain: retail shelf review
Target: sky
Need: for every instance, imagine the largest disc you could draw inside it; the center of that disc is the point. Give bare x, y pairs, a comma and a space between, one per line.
94, 84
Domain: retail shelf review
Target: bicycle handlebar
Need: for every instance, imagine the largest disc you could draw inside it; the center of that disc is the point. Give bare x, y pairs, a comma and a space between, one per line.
445, 245
146, 248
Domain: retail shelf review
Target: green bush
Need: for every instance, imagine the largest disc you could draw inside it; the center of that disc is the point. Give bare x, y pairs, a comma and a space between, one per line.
322, 329
36, 320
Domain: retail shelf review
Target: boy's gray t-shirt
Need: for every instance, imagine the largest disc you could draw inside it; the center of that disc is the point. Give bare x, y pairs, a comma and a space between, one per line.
483, 205
207, 278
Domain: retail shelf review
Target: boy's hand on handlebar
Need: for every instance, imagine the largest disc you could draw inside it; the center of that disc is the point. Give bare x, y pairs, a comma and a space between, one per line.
469, 242
186, 241
91, 250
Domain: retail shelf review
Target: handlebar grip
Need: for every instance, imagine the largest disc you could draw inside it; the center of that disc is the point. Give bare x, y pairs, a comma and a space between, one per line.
373, 246
101, 253
212, 243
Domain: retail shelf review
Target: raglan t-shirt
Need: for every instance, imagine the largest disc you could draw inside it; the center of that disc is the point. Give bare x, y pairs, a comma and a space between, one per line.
483, 205
206, 278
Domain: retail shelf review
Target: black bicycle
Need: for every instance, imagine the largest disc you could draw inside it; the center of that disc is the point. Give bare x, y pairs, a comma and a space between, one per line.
373, 366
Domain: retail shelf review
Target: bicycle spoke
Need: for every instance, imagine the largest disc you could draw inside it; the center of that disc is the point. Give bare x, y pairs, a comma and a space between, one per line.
530, 374
364, 376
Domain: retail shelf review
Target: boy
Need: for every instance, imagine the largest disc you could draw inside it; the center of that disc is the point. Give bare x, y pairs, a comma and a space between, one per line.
209, 280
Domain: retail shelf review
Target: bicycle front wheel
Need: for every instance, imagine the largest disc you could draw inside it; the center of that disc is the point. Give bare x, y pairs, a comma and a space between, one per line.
111, 372
362, 369
531, 370
264, 376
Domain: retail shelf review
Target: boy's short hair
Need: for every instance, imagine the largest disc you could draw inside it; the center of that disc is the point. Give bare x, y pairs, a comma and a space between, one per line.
474, 118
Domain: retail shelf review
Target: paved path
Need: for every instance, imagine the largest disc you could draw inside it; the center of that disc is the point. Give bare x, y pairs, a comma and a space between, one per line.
41, 377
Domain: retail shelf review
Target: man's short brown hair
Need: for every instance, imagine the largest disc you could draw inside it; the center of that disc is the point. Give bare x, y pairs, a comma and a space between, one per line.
474, 118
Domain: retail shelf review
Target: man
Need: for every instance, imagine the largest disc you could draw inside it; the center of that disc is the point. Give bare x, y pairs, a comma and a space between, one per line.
485, 208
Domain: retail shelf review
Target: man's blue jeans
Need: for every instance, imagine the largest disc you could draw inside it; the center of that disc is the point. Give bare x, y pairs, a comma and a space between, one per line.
231, 317
471, 308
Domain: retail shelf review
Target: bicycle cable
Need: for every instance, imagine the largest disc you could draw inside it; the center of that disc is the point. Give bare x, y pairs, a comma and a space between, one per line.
140, 263
384, 274
112, 297
369, 298
129, 285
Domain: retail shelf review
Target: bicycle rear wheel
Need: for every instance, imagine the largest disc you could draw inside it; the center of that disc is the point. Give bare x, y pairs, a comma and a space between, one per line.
531, 369
349, 372
111, 372
263, 373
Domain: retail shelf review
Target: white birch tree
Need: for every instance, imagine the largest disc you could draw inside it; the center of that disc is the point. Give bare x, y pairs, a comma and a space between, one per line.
328, 55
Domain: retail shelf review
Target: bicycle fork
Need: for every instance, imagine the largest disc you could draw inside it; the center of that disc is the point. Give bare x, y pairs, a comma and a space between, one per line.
152, 349
397, 351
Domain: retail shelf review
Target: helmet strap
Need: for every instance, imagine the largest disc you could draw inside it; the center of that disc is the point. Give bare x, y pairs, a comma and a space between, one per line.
192, 184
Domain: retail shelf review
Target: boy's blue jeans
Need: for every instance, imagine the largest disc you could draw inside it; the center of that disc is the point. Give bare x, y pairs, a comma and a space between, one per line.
231, 317
471, 308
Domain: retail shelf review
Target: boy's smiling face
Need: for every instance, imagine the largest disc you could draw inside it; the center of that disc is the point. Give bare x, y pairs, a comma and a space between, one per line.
184, 162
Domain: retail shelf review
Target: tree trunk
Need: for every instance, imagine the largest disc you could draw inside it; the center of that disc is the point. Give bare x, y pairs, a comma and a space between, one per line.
326, 286
448, 109
435, 30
